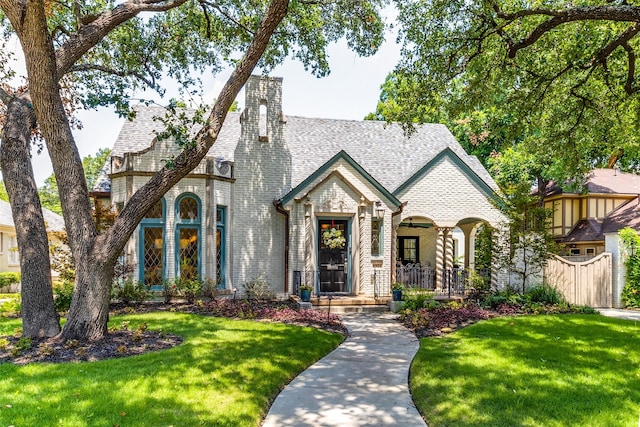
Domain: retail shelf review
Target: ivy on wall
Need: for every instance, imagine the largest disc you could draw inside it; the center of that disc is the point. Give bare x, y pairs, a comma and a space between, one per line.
631, 245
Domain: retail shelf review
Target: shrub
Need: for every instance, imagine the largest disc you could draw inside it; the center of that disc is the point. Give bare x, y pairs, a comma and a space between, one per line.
7, 279
131, 291
258, 288
209, 289
62, 293
507, 296
10, 308
631, 294
415, 299
190, 289
545, 294
169, 290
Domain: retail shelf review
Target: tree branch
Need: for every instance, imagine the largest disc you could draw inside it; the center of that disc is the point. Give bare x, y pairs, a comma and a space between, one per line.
90, 34
229, 17
618, 13
628, 85
107, 70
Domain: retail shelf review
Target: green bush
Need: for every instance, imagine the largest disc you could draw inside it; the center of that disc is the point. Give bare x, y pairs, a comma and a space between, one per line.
62, 294
508, 296
415, 299
130, 291
258, 288
545, 294
631, 290
190, 289
7, 279
11, 308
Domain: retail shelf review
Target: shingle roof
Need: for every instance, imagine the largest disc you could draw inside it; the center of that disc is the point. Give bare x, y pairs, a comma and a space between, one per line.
604, 181
627, 215
586, 230
54, 221
382, 149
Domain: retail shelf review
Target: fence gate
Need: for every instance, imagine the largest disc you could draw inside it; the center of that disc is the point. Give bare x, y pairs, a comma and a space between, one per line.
583, 283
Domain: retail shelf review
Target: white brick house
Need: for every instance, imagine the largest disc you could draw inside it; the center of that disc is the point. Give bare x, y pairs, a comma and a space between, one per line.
272, 186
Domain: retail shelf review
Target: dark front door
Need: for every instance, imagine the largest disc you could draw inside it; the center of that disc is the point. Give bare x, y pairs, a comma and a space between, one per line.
333, 256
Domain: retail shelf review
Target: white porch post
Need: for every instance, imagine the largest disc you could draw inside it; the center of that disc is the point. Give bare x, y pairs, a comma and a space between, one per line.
309, 270
440, 256
448, 262
362, 216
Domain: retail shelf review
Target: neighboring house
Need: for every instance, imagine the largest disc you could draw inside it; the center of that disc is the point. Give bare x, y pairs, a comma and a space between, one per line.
336, 204
9, 255
603, 205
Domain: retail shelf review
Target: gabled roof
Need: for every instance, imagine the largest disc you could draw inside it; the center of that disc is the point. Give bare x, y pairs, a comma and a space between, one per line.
54, 221
342, 155
384, 150
466, 168
603, 181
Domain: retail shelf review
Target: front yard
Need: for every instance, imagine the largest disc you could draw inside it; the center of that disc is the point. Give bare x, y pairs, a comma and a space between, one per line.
564, 370
225, 373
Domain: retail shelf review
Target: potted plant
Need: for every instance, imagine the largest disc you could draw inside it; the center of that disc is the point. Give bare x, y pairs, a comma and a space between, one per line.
333, 239
305, 293
396, 291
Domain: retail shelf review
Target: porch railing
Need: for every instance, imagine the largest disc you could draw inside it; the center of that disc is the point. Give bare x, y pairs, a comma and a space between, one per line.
453, 282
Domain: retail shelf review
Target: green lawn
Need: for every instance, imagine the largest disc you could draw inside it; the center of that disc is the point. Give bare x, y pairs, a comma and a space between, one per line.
225, 373
567, 370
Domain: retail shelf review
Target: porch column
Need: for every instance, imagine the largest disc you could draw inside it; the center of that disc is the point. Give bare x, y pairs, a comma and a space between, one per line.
362, 216
448, 262
439, 256
394, 250
309, 273
470, 252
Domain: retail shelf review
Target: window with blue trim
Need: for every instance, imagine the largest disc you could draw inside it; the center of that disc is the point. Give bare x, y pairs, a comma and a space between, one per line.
152, 248
220, 246
188, 259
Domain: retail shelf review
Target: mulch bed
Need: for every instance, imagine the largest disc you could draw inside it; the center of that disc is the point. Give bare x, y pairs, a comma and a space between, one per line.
124, 342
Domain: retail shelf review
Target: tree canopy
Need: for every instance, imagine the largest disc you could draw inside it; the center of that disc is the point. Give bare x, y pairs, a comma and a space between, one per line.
558, 77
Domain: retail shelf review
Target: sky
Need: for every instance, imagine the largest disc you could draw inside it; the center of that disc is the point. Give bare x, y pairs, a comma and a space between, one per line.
351, 91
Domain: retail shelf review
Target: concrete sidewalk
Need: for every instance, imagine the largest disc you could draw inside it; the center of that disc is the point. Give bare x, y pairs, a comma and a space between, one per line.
620, 313
364, 382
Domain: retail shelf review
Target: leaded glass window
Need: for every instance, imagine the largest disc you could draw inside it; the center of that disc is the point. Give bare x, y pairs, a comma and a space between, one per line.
376, 237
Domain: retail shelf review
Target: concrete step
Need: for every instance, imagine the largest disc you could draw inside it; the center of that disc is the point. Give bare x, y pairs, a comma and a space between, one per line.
370, 308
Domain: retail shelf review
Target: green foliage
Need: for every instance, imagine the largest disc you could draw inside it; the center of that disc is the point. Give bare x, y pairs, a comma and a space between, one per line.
92, 165
507, 296
3, 191
8, 278
258, 288
130, 291
11, 308
415, 299
545, 294
62, 294
631, 291
246, 362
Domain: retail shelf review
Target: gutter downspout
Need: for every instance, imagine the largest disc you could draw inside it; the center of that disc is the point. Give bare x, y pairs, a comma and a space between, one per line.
278, 205
393, 242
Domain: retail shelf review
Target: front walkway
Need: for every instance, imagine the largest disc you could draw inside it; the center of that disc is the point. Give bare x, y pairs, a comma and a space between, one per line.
364, 382
620, 313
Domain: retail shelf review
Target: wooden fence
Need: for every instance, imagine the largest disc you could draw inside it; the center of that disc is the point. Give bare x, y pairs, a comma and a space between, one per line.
583, 283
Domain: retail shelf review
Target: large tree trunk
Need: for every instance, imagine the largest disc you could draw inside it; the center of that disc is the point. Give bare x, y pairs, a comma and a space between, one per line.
39, 316
89, 312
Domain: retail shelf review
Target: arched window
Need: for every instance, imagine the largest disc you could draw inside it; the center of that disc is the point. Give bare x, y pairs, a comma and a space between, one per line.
152, 247
188, 259
262, 121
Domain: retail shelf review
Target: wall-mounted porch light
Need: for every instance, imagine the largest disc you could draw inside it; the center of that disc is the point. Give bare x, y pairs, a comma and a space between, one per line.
379, 210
